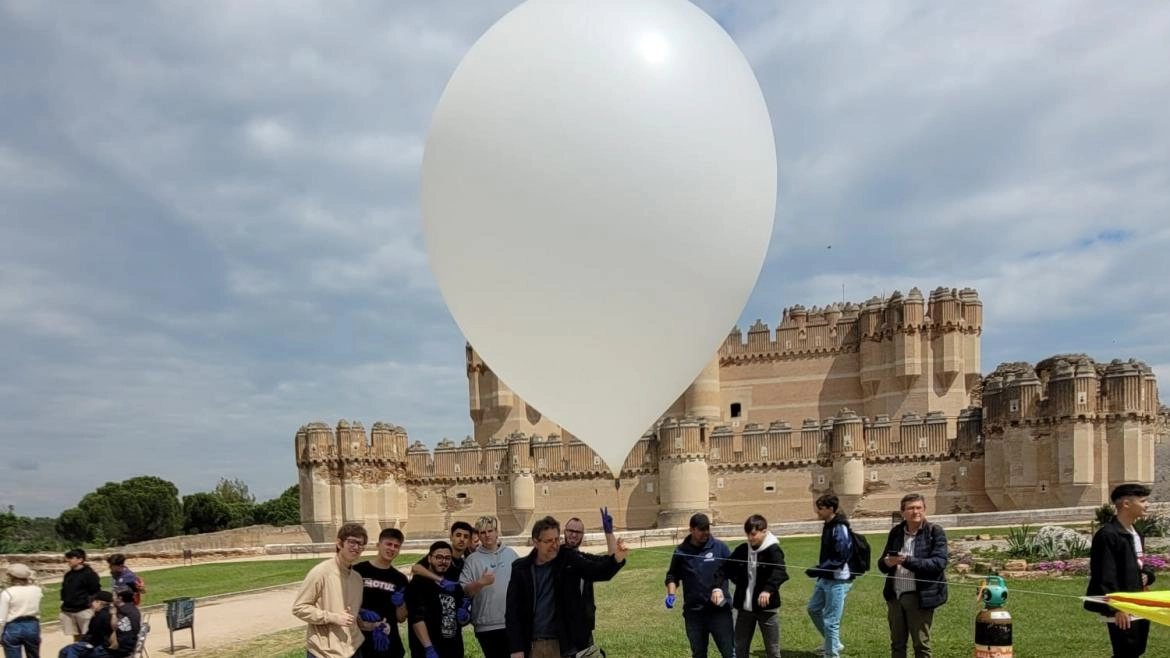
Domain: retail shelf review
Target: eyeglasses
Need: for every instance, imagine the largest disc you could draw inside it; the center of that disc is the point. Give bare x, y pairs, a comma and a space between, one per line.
441, 558
355, 543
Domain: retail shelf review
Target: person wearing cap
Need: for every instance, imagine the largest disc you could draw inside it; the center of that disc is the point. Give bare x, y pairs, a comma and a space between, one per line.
20, 612
95, 643
694, 565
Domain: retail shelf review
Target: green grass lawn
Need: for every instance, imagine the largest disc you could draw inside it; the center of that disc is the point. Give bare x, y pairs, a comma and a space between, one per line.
632, 621
201, 580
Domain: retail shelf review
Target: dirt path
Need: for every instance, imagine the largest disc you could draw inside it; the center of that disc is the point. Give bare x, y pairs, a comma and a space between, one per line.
218, 623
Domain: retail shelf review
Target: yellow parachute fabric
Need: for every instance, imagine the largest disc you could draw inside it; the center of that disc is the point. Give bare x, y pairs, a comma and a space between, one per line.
1154, 606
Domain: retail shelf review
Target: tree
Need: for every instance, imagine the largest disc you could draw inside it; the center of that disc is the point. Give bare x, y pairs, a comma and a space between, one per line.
137, 509
239, 501
205, 512
285, 509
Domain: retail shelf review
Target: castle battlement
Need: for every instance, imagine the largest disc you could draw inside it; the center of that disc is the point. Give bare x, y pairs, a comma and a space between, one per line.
1070, 386
841, 327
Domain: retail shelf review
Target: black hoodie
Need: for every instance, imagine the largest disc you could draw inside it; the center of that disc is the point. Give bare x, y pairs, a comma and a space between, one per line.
78, 588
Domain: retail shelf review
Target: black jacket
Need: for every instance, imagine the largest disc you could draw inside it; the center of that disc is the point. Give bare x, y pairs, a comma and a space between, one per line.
928, 563
568, 618
579, 590
770, 575
78, 587
1113, 566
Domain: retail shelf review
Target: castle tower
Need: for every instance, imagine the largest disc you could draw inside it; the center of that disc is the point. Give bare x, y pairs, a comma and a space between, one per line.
908, 314
1130, 444
994, 452
847, 450
682, 471
522, 484
702, 399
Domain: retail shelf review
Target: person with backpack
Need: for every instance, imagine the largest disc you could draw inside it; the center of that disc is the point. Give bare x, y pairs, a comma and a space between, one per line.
915, 562
833, 576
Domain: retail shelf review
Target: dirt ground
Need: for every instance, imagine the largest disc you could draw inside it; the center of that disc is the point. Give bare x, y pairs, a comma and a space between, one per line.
218, 623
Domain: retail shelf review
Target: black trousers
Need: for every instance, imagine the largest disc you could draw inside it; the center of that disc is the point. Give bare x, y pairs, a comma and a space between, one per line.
1130, 643
494, 643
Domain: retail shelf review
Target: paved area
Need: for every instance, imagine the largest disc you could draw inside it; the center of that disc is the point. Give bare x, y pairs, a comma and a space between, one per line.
218, 623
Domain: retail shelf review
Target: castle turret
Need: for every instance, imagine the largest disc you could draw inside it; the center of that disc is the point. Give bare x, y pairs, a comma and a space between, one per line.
908, 315
682, 469
522, 484
1131, 450
847, 448
702, 399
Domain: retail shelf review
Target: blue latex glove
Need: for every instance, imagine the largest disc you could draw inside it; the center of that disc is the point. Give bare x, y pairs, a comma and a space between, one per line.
369, 615
670, 599
431, 652
606, 520
398, 598
381, 639
448, 585
463, 614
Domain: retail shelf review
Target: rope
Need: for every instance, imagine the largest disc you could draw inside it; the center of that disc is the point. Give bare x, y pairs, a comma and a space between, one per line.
874, 574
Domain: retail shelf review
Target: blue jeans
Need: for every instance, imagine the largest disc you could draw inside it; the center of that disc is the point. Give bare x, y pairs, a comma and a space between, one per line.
825, 608
79, 650
22, 633
714, 622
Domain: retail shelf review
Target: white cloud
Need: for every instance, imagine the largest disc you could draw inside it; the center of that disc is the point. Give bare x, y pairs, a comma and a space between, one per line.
211, 220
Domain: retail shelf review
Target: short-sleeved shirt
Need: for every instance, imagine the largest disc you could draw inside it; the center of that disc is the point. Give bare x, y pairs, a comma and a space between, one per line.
378, 587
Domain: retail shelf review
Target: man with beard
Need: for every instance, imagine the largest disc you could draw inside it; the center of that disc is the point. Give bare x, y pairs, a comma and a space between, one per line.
433, 611
460, 543
579, 590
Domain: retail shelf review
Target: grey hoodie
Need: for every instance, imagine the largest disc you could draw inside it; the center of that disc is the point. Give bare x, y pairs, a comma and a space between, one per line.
490, 604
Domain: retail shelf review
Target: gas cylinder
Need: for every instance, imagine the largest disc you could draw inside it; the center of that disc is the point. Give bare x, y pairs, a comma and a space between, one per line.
993, 623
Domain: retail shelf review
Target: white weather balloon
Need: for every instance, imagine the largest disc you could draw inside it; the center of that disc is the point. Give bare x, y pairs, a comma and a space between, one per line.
598, 191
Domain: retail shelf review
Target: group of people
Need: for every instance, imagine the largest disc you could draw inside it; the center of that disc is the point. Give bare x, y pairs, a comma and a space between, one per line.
540, 605
914, 558
101, 623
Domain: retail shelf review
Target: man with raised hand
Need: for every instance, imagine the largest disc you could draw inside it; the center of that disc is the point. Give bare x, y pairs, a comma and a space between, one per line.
541, 620
915, 563
449, 580
578, 589
1116, 564
694, 565
383, 597
485, 578
330, 598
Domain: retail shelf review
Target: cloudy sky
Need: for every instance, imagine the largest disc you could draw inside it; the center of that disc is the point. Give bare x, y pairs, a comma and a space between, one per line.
209, 229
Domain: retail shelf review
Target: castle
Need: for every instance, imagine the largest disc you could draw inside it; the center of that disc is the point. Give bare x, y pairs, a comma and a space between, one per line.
867, 401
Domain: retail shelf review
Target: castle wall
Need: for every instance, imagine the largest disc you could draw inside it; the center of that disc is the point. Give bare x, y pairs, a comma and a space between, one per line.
868, 401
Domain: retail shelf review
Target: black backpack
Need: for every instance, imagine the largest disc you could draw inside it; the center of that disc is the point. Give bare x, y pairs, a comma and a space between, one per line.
859, 559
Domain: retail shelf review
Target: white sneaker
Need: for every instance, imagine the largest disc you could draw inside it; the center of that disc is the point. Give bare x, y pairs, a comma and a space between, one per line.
820, 651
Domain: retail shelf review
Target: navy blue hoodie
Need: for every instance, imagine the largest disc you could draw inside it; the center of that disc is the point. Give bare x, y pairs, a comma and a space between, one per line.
694, 567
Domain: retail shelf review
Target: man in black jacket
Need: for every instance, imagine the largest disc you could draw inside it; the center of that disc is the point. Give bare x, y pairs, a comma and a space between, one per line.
914, 562
757, 570
78, 588
543, 620
1115, 565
